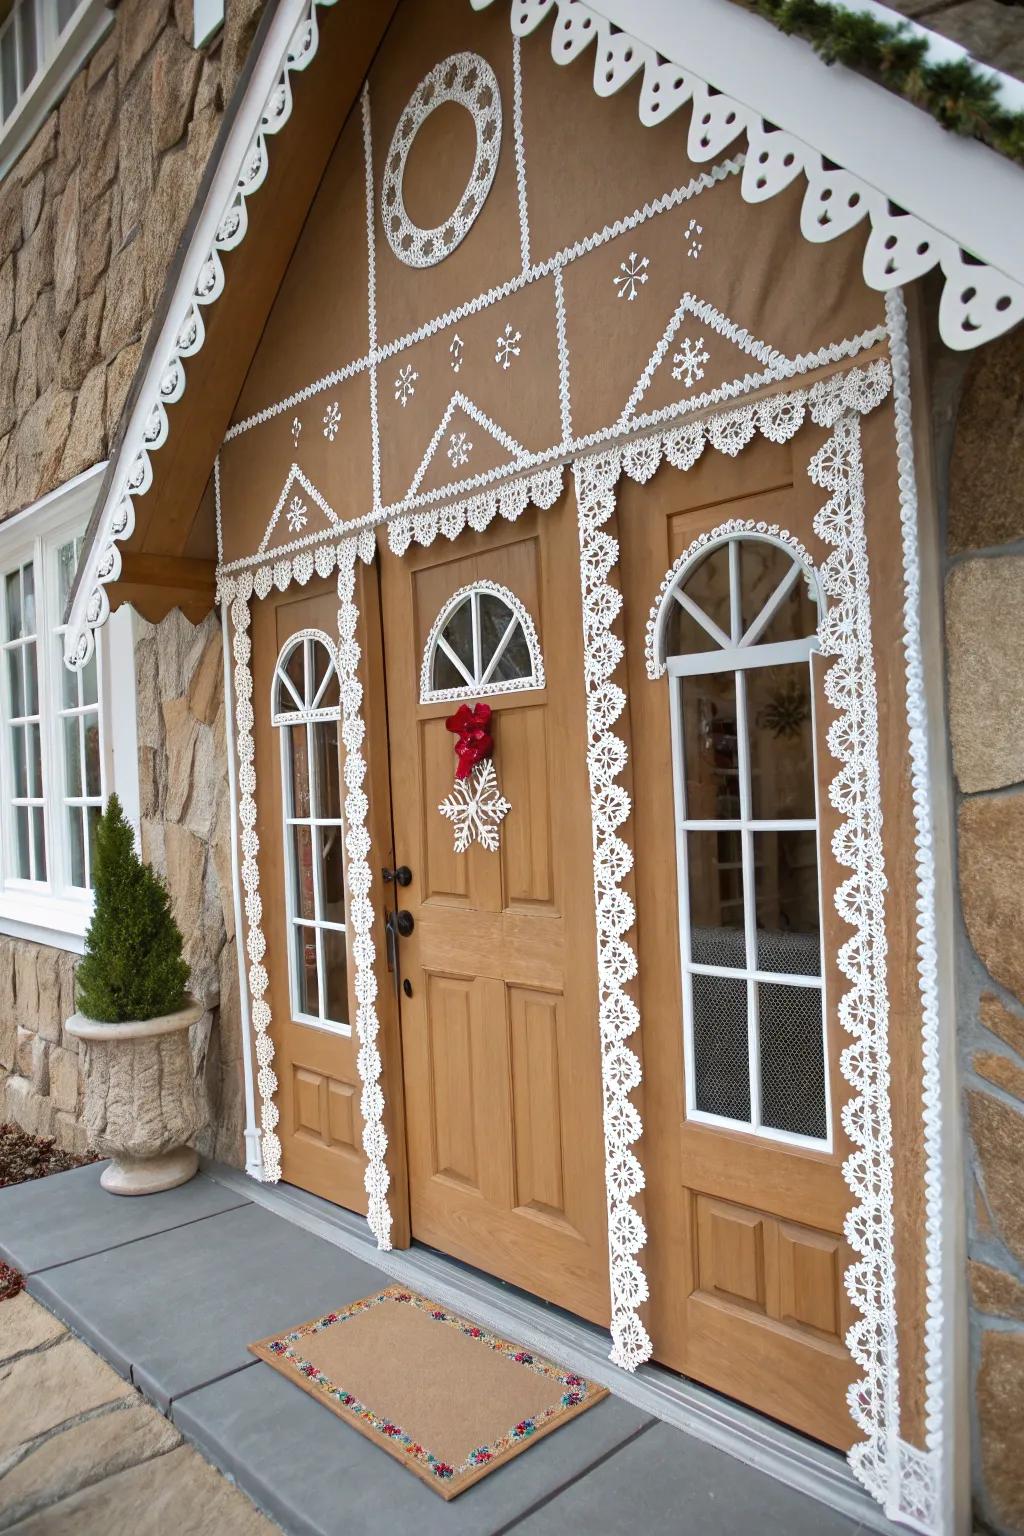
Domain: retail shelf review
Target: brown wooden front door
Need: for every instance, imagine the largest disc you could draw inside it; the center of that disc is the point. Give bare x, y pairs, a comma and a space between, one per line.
743, 1142
300, 788
499, 1035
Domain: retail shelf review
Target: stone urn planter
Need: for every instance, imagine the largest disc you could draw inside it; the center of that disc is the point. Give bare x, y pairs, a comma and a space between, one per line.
141, 1099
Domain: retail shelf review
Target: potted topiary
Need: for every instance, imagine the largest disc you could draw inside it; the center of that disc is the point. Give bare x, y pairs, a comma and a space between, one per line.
141, 1105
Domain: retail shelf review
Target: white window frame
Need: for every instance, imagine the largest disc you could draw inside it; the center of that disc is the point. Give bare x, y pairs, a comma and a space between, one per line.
60, 55
54, 911
478, 683
304, 716
737, 653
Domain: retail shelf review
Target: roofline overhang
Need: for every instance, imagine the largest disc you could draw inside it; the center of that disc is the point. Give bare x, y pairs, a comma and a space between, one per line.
861, 149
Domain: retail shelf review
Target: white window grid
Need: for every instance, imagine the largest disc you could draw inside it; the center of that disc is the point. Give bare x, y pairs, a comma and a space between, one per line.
292, 712
25, 802
61, 695
478, 679
738, 653
29, 38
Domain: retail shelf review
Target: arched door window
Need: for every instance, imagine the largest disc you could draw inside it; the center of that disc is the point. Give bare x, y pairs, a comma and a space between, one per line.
306, 708
483, 641
735, 630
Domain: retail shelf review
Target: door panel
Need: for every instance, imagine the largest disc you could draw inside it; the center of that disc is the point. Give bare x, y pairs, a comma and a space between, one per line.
500, 1041
746, 1253
319, 1091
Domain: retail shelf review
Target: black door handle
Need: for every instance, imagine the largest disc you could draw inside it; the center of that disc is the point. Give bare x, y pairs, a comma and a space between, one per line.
404, 922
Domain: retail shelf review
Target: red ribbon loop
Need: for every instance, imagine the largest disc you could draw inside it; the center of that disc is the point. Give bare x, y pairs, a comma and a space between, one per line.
474, 743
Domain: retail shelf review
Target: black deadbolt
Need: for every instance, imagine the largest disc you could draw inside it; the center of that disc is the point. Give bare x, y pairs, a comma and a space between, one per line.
401, 876
404, 923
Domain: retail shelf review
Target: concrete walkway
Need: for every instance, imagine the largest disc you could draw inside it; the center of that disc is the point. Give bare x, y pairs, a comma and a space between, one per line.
170, 1289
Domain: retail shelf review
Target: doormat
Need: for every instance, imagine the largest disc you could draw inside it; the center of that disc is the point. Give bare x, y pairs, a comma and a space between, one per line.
446, 1398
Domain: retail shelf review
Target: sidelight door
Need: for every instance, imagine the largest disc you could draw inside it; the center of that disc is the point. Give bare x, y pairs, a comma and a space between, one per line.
743, 1141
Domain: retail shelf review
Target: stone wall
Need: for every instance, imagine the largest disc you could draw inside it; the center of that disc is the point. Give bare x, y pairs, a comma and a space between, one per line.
980, 434
186, 835
89, 220
186, 830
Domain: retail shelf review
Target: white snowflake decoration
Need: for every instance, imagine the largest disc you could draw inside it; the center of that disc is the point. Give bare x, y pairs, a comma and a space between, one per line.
297, 514
459, 449
405, 384
332, 421
508, 346
476, 808
690, 361
694, 244
456, 350
296, 429
631, 275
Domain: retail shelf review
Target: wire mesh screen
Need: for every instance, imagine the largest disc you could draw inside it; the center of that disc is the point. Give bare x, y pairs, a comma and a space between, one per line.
721, 1060
789, 1031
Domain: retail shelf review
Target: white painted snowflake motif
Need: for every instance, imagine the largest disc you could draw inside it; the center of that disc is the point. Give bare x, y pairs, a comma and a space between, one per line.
508, 346
694, 244
332, 421
476, 808
296, 429
459, 449
690, 361
632, 274
405, 384
455, 351
297, 514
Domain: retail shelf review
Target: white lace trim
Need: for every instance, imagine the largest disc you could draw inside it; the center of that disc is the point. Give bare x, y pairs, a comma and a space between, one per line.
360, 909
255, 942
921, 1502
619, 1016
468, 80
978, 301
855, 793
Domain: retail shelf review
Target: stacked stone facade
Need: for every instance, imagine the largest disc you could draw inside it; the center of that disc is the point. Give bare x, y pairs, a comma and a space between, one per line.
981, 426
90, 218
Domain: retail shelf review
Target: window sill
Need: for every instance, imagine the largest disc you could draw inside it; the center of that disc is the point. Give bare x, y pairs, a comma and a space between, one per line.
86, 30
60, 922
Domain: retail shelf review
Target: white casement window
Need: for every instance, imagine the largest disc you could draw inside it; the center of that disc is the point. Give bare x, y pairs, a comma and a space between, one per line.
737, 632
57, 727
306, 708
43, 43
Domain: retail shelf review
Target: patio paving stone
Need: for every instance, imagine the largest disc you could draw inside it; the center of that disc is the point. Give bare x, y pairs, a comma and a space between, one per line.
667, 1481
68, 1216
177, 1310
319, 1477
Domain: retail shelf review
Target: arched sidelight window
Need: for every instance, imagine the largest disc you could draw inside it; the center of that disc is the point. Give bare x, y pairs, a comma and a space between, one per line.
306, 708
483, 641
735, 629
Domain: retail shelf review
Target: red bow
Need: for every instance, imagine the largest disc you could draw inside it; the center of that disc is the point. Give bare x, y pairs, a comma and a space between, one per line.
474, 742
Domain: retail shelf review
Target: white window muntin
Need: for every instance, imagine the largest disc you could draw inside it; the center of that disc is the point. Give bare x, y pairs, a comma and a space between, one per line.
737, 654
290, 712
477, 670
56, 908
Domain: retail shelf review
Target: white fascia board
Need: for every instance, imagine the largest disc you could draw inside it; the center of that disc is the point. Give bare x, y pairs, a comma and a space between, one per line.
957, 185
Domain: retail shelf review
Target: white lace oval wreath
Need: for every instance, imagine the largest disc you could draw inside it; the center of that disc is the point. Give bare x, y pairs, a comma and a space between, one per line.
468, 80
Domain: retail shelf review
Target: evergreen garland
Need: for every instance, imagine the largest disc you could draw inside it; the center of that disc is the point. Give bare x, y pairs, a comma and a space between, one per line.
133, 966
960, 96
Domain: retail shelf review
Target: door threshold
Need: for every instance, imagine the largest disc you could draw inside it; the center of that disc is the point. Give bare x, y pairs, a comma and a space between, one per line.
760, 1442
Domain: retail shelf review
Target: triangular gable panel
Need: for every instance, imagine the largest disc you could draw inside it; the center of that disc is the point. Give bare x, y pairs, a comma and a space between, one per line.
465, 444
300, 512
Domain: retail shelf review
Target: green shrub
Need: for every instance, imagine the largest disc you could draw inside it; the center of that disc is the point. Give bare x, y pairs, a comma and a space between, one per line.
132, 967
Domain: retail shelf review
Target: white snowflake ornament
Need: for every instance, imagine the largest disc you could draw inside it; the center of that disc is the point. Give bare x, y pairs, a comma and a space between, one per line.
476, 808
